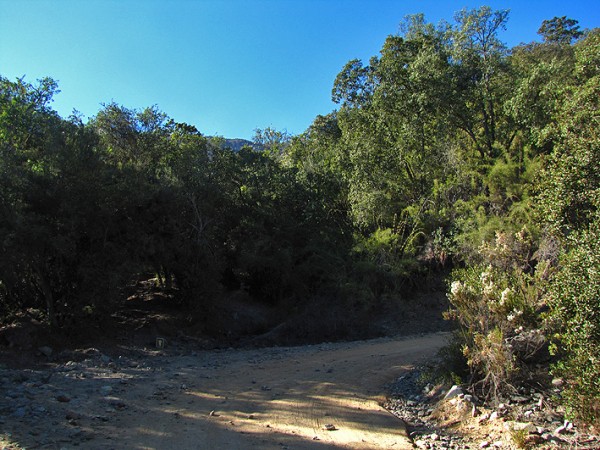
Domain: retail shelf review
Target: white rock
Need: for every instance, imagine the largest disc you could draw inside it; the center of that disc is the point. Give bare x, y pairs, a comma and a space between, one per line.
454, 391
484, 444
421, 444
560, 429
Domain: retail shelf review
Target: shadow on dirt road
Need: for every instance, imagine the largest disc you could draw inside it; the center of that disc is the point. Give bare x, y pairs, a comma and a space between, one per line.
308, 397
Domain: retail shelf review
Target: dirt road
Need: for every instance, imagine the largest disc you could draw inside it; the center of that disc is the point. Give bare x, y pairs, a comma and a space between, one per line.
312, 397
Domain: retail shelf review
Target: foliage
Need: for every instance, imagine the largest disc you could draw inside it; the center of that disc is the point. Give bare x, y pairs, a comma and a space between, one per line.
87, 208
495, 305
560, 30
570, 201
573, 296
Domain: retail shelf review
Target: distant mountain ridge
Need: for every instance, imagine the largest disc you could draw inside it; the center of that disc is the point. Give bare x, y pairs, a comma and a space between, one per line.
237, 144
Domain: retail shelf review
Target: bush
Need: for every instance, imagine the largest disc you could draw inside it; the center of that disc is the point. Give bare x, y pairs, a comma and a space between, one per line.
495, 306
574, 297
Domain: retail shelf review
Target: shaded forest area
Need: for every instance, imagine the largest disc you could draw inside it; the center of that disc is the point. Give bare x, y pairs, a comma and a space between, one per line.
450, 157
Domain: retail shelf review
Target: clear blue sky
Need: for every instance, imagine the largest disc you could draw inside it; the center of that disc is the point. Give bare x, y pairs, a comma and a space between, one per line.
225, 66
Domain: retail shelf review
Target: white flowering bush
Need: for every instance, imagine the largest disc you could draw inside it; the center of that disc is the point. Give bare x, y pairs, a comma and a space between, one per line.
495, 307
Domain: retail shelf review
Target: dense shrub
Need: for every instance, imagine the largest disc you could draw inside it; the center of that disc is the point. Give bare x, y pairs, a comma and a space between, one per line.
574, 296
495, 306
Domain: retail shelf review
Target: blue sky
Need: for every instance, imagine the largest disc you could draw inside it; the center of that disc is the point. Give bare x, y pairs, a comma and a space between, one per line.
225, 66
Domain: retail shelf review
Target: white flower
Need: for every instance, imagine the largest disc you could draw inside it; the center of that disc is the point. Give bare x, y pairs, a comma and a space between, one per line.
486, 281
504, 296
485, 277
514, 314
456, 287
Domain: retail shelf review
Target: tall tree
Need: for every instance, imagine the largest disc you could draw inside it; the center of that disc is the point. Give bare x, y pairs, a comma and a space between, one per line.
560, 30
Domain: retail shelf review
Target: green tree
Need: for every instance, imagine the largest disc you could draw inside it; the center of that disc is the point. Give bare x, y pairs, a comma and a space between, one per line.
480, 79
560, 30
570, 203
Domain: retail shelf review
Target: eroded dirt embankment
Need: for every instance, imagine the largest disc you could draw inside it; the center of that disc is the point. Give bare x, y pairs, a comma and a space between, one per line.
317, 397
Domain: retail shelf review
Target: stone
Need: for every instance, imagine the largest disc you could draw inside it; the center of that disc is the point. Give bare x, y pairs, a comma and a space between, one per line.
484, 444
519, 426
106, 390
71, 415
13, 394
434, 437
116, 403
546, 436
494, 415
46, 351
560, 429
20, 412
454, 391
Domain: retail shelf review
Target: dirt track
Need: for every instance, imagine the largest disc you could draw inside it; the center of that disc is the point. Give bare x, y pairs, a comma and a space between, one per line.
233, 399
